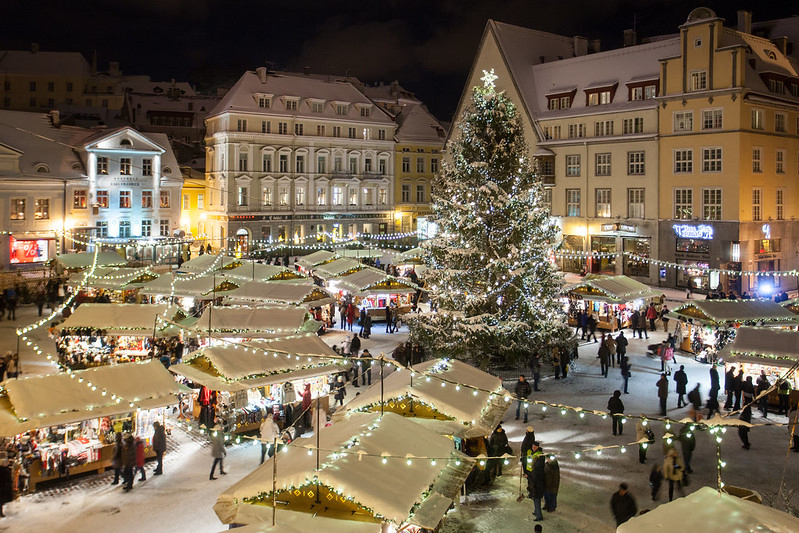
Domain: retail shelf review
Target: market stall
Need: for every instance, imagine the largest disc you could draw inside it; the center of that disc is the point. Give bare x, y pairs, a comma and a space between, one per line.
708, 325
774, 352
257, 292
338, 267
209, 263
375, 290
239, 384
83, 260
252, 271
66, 422
371, 471
117, 284
709, 511
205, 287
245, 322
610, 299
313, 260
108, 333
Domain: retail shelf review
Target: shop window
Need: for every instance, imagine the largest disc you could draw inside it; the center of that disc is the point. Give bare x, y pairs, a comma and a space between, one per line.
606, 263
694, 246
767, 246
572, 243
636, 265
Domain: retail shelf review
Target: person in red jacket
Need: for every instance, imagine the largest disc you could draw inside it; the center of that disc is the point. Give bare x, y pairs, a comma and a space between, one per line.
651, 315
140, 459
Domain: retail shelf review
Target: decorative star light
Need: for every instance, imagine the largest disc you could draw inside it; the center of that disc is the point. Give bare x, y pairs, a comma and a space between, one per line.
488, 79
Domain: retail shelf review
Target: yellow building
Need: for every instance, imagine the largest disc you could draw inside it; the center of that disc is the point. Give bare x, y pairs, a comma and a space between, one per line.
192, 204
729, 120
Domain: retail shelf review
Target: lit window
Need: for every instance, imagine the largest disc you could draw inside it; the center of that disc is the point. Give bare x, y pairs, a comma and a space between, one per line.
102, 199
124, 199
164, 199
42, 207
602, 164
147, 199
603, 203
635, 203
683, 204
711, 204
102, 165
572, 202
683, 121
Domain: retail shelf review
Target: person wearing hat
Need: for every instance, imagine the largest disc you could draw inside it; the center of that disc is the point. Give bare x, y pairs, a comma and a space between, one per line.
218, 451
527, 442
536, 481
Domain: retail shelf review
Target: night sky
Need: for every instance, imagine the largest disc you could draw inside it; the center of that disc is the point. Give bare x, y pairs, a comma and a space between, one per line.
427, 45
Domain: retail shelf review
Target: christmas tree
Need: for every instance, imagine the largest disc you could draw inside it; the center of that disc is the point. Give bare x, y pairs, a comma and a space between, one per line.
493, 290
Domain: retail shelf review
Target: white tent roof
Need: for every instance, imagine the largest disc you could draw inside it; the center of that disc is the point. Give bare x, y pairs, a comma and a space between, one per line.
208, 263
251, 271
253, 321
736, 311
118, 319
41, 401
111, 278
338, 267
283, 293
232, 367
617, 289
480, 412
373, 281
201, 287
358, 253
710, 512
316, 258
390, 490
294, 522
86, 259
764, 342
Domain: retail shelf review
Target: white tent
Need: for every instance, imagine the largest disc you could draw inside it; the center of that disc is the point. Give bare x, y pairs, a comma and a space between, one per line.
209, 263
338, 267
112, 278
42, 401
281, 293
478, 414
251, 271
721, 312
372, 281
613, 289
710, 512
119, 319
294, 522
201, 287
87, 259
373, 469
251, 322
764, 342
316, 258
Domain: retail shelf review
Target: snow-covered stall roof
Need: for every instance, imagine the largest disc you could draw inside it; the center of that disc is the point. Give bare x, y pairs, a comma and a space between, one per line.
294, 522
41, 401
119, 319
283, 293
755, 343
86, 259
255, 321
317, 258
200, 287
361, 253
479, 413
710, 512
736, 311
355, 482
233, 367
614, 289
372, 281
414, 255
338, 267
209, 263
251, 271
112, 278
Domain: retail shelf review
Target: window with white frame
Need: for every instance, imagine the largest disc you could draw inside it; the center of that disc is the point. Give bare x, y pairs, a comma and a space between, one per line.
351, 132
573, 165
266, 126
321, 196
264, 102
406, 193
146, 167
434, 165
341, 109
353, 200
683, 161
633, 125
283, 196
382, 196
164, 196
420, 196
337, 164
368, 196
636, 163
367, 165
602, 164
603, 128
381, 167
317, 107
406, 164
336, 131
779, 123
79, 199
698, 80
299, 129
164, 227
102, 198
200, 201
711, 159
102, 228
635, 203
299, 193
684, 203
757, 160
125, 166
603, 203
146, 199
576, 131
683, 121
124, 199
780, 161
321, 164
283, 163
320, 130
186, 202
291, 105
124, 228
241, 125
757, 203
146, 228
242, 162
780, 204
102, 165
711, 119
381, 135
299, 164
243, 196
283, 128
338, 196
711, 204
758, 119
266, 196
419, 165
572, 202
41, 209
266, 163
546, 198
353, 165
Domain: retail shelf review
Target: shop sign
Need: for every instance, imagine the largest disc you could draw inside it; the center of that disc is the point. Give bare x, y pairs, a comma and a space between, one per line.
618, 227
608, 227
627, 227
766, 231
28, 250
688, 231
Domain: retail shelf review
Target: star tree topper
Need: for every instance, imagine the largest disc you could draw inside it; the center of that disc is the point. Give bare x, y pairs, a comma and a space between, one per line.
488, 79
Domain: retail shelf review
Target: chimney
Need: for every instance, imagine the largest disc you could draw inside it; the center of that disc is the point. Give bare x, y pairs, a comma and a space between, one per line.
55, 117
630, 38
595, 46
782, 44
261, 71
580, 46
113, 69
306, 71
745, 21
34, 48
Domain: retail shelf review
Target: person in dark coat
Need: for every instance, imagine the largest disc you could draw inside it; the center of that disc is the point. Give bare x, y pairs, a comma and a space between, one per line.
682, 381
604, 357
729, 387
218, 451
535, 369
6, 484
591, 327
616, 409
715, 384
688, 444
366, 368
635, 318
743, 431
624, 366
159, 446
663, 393
522, 391
762, 386
536, 482
139, 443
737, 387
400, 355
621, 346
527, 441
340, 390
497, 447
116, 457
551, 483
623, 505
748, 390
128, 460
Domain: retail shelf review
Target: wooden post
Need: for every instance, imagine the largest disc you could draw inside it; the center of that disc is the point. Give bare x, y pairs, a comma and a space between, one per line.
274, 482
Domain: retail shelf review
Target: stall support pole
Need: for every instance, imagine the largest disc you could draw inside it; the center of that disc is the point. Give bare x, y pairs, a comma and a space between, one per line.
318, 430
411, 397
274, 481
382, 403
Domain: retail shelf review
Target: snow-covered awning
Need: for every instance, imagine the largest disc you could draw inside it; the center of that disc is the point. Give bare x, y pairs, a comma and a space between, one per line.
251, 271
719, 312
317, 258
372, 281
476, 410
121, 319
87, 259
338, 267
113, 278
208, 263
282, 293
762, 343
710, 512
294, 522
200, 287
264, 321
43, 401
373, 469
613, 289
232, 367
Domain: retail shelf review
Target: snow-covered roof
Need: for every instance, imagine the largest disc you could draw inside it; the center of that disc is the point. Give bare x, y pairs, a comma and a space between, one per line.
209, 262
252, 271
316, 258
200, 287
113, 278
42, 401
280, 87
617, 289
766, 55
41, 63
255, 321
354, 480
418, 125
765, 342
86, 259
283, 293
155, 88
119, 319
480, 412
373, 281
294, 522
710, 512
231, 367
337, 267
736, 311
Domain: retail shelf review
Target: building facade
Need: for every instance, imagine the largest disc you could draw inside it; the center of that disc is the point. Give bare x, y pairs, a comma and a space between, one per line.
293, 158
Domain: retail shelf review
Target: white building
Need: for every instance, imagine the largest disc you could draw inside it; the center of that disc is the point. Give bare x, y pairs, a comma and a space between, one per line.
292, 157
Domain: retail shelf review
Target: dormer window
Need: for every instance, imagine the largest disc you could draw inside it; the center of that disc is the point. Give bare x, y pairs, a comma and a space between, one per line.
291, 105
642, 90
560, 99
698, 80
365, 111
265, 102
600, 94
341, 109
317, 107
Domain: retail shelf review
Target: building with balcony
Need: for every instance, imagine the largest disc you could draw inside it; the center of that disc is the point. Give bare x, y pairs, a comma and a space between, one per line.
296, 158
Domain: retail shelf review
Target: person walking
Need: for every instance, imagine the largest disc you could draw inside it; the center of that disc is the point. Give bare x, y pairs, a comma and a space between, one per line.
748, 390
366, 368
682, 381
116, 458
11, 303
743, 431
624, 366
663, 393
269, 431
651, 315
635, 319
339, 390
762, 386
218, 451
673, 471
140, 460
128, 461
536, 482
621, 346
591, 321
159, 447
388, 319
623, 505
13, 369
655, 480
688, 444
643, 433
342, 315
551, 483
695, 399
642, 333
604, 357
522, 391
616, 409
611, 350
556, 361
784, 394
738, 385
350, 316
664, 318
729, 387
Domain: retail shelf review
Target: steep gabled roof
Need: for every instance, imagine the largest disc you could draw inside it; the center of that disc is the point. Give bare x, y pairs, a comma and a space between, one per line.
417, 124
